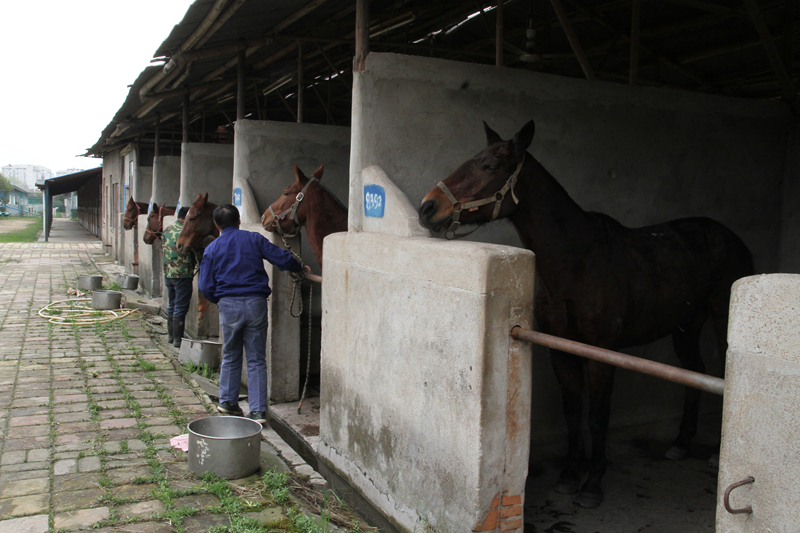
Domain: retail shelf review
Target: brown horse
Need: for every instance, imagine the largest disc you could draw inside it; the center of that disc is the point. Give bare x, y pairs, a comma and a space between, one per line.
306, 202
132, 211
155, 222
199, 224
601, 283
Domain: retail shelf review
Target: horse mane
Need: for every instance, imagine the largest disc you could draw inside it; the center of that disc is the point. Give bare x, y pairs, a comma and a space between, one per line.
335, 199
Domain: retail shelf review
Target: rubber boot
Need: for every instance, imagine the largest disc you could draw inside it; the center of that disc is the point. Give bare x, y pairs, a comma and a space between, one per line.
170, 337
178, 325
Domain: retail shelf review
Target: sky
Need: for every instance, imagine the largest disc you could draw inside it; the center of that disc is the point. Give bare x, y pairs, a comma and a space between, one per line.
65, 70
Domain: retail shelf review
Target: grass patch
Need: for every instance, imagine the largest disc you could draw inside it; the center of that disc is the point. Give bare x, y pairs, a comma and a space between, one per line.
202, 370
29, 233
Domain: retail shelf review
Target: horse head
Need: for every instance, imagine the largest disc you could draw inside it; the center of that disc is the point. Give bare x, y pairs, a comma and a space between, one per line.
199, 224
289, 213
482, 188
153, 229
131, 217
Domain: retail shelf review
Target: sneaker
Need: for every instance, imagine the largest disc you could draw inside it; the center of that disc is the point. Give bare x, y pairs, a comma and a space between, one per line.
228, 408
258, 416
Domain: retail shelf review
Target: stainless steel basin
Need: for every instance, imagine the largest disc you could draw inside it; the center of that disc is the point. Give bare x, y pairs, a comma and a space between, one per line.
228, 446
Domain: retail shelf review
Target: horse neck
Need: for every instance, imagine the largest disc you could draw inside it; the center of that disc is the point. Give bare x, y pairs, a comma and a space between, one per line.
327, 217
548, 221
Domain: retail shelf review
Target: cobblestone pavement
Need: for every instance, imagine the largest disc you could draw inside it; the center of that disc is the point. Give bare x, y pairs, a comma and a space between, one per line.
86, 414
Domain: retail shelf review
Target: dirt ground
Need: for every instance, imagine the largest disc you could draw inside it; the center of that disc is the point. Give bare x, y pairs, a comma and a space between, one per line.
12, 224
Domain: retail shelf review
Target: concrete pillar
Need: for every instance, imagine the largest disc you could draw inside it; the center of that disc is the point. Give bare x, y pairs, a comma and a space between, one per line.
425, 400
761, 416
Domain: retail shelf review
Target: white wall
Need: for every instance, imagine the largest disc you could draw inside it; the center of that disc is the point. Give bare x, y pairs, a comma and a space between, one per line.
206, 168
166, 187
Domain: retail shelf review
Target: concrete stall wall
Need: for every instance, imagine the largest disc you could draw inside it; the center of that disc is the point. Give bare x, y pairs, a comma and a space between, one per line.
166, 180
265, 153
425, 398
761, 419
113, 206
205, 168
165, 189
640, 154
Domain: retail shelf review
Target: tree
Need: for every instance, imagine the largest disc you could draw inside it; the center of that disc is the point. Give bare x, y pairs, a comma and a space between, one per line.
6, 187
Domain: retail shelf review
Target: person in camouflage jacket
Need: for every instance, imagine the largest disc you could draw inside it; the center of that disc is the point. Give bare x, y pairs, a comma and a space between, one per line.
179, 269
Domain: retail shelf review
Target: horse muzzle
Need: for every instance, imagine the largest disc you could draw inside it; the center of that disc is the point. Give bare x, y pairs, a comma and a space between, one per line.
431, 216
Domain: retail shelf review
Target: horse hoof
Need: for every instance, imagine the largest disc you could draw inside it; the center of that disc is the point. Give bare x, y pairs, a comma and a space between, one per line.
589, 500
713, 461
676, 454
567, 486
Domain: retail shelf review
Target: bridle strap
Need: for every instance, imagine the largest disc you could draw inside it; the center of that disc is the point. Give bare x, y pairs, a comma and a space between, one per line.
497, 198
292, 211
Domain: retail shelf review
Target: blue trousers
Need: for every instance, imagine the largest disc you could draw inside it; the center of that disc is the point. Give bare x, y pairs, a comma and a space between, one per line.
179, 295
243, 322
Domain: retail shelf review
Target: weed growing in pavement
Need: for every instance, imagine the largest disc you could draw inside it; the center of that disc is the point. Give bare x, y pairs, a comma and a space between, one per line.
147, 366
278, 484
123, 446
201, 370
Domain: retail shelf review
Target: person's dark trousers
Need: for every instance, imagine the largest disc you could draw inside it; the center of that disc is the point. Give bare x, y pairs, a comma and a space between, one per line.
179, 294
243, 321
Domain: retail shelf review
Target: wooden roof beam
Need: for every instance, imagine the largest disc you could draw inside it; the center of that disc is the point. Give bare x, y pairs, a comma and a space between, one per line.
788, 90
573, 40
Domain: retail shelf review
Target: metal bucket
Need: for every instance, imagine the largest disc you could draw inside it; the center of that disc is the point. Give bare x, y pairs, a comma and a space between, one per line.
228, 446
128, 281
106, 299
200, 353
90, 282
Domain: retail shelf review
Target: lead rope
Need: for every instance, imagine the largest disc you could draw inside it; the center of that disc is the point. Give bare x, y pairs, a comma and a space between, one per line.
297, 281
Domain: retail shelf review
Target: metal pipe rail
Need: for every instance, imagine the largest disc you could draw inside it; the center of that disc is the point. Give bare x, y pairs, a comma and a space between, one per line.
689, 378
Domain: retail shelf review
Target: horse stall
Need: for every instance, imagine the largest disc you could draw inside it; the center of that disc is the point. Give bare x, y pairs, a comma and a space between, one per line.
166, 181
205, 168
642, 155
138, 179
265, 153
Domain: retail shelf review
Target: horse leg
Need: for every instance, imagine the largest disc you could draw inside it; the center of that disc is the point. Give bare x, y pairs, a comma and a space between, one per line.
569, 373
686, 342
601, 381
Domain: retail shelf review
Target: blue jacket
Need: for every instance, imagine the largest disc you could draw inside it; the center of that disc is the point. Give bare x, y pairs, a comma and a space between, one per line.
233, 265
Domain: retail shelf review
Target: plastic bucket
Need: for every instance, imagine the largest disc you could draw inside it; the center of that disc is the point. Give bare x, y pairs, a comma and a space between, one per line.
106, 299
228, 446
89, 282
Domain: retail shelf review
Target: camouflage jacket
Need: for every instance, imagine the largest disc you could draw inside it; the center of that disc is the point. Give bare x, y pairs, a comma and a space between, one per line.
176, 264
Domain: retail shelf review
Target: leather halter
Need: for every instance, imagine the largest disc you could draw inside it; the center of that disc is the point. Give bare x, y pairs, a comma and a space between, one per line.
291, 211
497, 197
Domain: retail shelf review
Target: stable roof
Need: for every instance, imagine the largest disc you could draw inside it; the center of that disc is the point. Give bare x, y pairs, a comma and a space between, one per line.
739, 48
68, 183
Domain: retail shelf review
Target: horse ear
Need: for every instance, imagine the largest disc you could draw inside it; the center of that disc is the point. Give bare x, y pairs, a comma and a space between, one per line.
318, 173
155, 207
491, 136
205, 198
298, 174
522, 140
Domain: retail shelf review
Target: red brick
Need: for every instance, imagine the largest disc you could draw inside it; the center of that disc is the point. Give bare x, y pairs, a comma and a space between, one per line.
510, 526
512, 500
508, 512
489, 523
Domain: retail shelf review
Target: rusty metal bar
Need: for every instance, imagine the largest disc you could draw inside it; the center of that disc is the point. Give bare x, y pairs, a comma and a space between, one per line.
689, 378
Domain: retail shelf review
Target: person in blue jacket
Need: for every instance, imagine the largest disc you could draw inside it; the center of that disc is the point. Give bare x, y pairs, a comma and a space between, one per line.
232, 276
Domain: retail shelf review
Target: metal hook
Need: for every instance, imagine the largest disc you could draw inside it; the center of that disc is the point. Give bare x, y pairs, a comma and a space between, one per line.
727, 496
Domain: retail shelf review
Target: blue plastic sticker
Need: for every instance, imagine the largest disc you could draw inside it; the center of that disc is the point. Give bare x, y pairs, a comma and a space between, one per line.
374, 201
177, 207
150, 206
237, 197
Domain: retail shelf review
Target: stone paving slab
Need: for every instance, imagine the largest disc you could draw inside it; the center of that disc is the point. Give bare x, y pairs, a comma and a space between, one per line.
84, 429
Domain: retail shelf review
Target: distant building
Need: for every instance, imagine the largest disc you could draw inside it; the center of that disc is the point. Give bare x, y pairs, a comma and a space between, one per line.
28, 174
68, 171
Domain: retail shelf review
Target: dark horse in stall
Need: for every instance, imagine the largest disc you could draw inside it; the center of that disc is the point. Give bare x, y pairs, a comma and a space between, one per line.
199, 224
155, 222
132, 211
306, 202
601, 283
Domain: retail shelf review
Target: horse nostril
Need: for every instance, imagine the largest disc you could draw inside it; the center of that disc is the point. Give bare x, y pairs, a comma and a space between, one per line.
427, 209
179, 246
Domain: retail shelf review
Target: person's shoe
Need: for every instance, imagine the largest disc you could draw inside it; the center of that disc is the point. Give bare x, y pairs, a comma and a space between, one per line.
258, 416
170, 337
178, 327
231, 409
